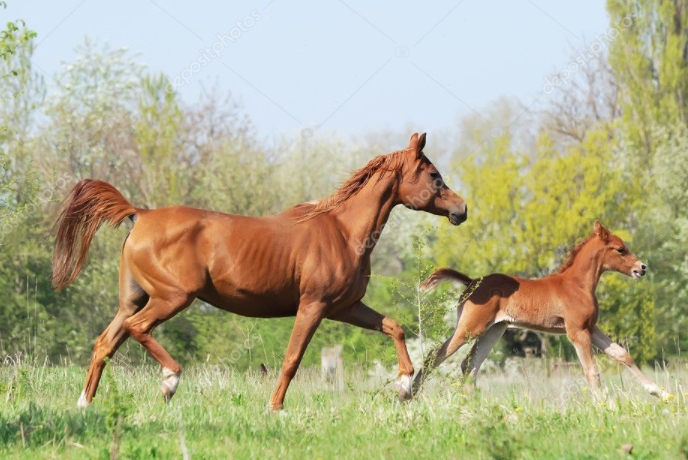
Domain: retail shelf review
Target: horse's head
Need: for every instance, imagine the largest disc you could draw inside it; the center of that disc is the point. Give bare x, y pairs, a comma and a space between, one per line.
423, 189
616, 256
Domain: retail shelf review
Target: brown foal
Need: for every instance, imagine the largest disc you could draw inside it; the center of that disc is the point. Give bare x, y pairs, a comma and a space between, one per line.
311, 262
561, 303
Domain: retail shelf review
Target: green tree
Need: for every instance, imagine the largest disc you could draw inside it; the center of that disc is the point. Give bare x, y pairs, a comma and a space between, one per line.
650, 64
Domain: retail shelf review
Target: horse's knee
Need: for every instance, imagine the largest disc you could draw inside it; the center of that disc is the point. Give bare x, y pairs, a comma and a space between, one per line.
620, 354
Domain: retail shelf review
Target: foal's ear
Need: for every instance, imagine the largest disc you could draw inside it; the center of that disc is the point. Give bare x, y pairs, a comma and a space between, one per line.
417, 144
602, 232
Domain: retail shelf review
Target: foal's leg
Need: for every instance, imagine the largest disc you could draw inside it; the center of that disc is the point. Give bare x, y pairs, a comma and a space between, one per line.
140, 326
620, 354
363, 316
308, 318
130, 297
482, 347
467, 328
582, 341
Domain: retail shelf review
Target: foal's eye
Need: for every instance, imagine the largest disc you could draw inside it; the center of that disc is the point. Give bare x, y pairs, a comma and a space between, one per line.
435, 175
621, 251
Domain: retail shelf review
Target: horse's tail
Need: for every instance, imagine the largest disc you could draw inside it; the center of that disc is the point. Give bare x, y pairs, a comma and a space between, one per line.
88, 206
444, 274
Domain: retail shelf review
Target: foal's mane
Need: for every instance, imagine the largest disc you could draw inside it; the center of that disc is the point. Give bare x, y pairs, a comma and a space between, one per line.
574, 252
390, 162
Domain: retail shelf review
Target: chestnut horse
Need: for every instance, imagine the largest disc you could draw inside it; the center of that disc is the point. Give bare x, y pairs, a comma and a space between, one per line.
311, 262
561, 303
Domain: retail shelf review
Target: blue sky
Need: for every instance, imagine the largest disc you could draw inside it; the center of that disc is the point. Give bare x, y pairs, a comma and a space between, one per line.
346, 67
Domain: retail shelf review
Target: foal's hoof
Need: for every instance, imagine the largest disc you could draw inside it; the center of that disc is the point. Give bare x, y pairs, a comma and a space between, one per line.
666, 397
655, 390
405, 391
170, 381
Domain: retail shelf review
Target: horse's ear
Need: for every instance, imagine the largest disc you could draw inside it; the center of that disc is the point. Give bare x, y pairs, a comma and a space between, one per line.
602, 232
413, 143
417, 144
421, 144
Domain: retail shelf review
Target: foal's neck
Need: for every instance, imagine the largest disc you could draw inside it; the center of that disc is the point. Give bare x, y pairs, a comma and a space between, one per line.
364, 215
586, 268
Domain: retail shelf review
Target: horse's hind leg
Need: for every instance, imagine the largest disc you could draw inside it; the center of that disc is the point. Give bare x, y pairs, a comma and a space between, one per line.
438, 356
131, 298
469, 326
363, 316
482, 347
140, 326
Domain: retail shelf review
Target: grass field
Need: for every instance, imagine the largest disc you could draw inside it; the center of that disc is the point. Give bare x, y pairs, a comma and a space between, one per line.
220, 413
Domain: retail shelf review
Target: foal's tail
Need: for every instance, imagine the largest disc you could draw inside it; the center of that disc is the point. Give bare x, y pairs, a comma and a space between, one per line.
444, 274
88, 206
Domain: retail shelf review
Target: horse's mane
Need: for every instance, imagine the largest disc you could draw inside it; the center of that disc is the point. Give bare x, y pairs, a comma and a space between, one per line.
574, 252
382, 163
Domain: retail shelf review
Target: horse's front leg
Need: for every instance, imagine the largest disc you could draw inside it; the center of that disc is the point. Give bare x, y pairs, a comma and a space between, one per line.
582, 341
308, 318
619, 353
359, 314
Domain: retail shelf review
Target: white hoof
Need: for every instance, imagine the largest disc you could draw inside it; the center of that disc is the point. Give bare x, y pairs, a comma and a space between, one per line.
81, 403
655, 390
405, 391
170, 381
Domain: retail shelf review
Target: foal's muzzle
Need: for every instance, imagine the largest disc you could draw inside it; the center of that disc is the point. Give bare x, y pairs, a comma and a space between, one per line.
636, 273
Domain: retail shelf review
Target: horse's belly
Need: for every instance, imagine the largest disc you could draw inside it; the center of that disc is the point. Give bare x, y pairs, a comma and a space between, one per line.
254, 306
551, 325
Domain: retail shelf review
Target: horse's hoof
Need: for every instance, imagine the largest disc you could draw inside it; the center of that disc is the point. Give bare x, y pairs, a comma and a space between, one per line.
276, 408
82, 402
405, 391
170, 381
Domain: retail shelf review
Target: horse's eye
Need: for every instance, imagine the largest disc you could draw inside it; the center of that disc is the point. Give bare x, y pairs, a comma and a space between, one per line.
621, 251
435, 175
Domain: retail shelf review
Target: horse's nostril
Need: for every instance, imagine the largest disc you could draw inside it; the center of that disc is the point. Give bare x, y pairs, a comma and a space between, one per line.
644, 267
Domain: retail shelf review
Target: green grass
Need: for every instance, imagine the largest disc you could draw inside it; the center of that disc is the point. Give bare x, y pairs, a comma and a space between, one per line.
220, 413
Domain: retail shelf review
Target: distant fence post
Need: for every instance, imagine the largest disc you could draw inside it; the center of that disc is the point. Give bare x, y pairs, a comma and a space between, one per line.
332, 366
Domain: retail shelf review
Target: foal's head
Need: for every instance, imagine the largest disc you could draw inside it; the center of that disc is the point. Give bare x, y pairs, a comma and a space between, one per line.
422, 187
615, 254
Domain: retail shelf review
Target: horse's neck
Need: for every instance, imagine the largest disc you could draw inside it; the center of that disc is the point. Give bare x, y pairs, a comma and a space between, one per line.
586, 268
364, 215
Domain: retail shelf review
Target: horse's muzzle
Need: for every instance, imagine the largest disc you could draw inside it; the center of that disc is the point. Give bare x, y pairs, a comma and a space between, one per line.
457, 219
636, 274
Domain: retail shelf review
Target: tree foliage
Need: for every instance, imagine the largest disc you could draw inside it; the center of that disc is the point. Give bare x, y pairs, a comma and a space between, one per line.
610, 145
